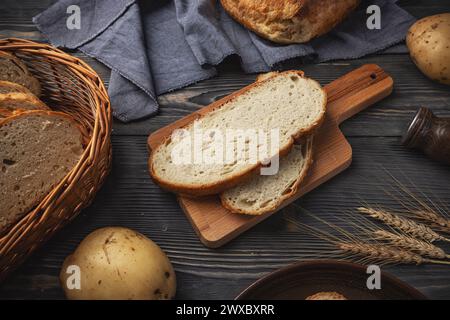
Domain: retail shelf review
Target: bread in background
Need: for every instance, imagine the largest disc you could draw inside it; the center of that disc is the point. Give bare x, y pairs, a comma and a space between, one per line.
289, 21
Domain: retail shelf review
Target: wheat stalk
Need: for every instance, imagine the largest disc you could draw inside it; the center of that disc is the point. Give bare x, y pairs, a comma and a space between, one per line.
422, 210
408, 226
361, 247
381, 253
434, 218
421, 247
384, 254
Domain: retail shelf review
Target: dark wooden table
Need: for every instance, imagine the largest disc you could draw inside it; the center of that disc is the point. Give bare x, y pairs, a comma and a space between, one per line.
130, 198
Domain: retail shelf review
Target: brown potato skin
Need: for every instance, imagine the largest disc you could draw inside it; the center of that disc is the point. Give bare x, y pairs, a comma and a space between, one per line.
428, 41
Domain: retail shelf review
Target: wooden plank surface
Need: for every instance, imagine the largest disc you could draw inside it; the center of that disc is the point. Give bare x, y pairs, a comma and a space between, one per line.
129, 198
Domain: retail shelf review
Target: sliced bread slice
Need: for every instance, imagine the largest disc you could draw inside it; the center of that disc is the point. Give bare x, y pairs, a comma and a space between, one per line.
14, 70
21, 101
263, 194
11, 87
287, 103
37, 149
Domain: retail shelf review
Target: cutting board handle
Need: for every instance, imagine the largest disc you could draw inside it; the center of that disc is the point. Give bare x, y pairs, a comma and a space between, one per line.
357, 90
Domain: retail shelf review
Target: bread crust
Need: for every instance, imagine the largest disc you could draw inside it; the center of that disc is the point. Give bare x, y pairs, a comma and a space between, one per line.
217, 188
12, 87
5, 113
7, 101
28, 80
286, 22
308, 162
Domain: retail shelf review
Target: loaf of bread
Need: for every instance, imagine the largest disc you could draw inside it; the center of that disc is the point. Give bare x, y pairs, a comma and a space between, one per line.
263, 194
21, 101
326, 296
14, 70
37, 149
289, 21
286, 102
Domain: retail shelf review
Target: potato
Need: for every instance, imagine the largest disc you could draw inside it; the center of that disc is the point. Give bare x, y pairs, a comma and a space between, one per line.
118, 263
428, 41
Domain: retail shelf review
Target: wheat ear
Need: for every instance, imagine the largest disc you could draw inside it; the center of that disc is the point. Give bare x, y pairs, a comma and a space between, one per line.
408, 226
372, 253
423, 211
434, 218
423, 248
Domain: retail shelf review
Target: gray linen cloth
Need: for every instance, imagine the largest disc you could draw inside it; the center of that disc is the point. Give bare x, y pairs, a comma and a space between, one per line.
153, 47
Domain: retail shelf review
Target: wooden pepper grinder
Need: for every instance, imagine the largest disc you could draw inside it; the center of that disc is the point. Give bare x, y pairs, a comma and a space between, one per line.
430, 134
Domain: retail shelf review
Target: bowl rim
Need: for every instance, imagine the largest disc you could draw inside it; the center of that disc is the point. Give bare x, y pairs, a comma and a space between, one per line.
296, 266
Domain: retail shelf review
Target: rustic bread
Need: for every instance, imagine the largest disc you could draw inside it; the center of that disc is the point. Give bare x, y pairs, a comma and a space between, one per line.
11, 87
14, 70
289, 21
21, 101
262, 194
37, 149
326, 296
287, 102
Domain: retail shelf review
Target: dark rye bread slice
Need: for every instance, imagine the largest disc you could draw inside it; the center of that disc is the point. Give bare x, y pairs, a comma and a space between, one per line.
21, 101
14, 70
37, 149
286, 101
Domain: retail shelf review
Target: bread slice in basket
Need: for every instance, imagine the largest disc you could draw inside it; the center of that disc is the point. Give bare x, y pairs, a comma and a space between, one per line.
14, 70
263, 194
286, 102
21, 101
11, 87
37, 149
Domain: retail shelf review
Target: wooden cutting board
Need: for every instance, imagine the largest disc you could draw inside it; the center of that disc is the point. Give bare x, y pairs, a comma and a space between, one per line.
347, 96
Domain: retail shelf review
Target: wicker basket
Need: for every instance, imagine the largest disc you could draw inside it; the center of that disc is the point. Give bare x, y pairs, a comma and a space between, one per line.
71, 86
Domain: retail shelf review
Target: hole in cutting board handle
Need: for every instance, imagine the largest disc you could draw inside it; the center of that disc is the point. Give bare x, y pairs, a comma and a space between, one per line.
373, 76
